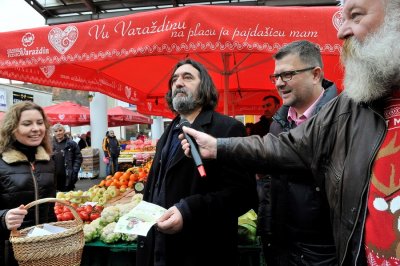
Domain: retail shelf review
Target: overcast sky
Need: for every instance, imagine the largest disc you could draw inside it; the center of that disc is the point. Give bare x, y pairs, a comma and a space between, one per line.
17, 14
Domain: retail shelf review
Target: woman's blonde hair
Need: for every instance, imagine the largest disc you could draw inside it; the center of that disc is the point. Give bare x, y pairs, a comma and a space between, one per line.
11, 121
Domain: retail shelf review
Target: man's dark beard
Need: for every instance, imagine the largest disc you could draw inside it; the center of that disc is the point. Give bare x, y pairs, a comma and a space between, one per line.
373, 66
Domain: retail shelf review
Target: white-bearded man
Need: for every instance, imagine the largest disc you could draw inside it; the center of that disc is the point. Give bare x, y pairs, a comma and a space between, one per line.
352, 146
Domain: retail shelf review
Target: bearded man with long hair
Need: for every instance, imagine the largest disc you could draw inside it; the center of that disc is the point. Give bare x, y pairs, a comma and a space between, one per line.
202, 217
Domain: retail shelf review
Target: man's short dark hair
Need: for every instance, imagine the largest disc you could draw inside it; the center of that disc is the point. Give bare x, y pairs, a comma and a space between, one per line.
276, 100
308, 52
207, 93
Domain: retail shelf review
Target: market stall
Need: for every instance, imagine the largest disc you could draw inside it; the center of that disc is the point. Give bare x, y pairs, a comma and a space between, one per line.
90, 167
99, 254
103, 206
135, 153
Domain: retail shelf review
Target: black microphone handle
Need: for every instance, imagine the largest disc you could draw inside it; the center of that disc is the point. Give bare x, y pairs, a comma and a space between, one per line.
193, 150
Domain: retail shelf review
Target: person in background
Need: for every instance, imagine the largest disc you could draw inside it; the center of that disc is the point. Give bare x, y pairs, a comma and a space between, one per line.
249, 128
200, 226
68, 159
26, 172
270, 105
140, 136
83, 142
76, 138
89, 138
293, 217
111, 148
352, 146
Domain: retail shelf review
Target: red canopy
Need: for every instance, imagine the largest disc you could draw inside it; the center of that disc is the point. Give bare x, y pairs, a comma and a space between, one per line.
131, 58
121, 116
68, 113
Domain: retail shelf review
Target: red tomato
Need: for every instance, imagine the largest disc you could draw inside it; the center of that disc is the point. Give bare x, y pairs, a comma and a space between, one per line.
88, 208
79, 209
66, 209
84, 215
94, 216
60, 217
67, 216
98, 208
58, 209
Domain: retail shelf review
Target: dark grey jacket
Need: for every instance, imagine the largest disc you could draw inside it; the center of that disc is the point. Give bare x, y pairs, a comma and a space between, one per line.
293, 216
72, 162
338, 146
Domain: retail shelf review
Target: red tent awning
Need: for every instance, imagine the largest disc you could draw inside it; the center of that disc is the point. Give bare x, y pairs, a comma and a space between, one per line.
68, 113
130, 58
121, 116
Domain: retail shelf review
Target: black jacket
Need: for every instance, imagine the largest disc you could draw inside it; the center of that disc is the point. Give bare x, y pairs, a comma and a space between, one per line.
293, 218
262, 127
339, 146
209, 235
22, 183
72, 163
111, 147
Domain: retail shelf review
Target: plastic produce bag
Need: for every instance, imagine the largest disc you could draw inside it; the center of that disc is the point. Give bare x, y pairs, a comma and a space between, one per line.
247, 227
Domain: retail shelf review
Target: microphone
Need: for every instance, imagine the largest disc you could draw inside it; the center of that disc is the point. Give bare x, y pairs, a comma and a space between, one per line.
193, 149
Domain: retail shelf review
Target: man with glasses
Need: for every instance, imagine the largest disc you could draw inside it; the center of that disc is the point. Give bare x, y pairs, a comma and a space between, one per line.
293, 218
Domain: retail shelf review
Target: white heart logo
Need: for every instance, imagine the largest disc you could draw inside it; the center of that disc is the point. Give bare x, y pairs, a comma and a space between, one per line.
149, 106
337, 19
48, 70
128, 92
61, 40
61, 116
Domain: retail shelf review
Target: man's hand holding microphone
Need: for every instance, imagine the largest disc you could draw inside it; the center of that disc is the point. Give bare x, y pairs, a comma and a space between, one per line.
207, 145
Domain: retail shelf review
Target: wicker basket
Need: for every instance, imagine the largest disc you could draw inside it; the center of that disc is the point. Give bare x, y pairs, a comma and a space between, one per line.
63, 249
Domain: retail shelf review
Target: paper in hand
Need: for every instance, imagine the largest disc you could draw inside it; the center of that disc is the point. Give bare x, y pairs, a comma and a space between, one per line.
140, 219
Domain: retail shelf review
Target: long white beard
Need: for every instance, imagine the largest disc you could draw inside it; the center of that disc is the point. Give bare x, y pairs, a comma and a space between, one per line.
373, 66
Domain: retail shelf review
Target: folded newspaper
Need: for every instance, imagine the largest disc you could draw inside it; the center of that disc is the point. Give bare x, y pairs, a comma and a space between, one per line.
140, 219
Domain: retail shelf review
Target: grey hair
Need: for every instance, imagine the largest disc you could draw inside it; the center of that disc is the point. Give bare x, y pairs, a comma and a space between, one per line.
58, 126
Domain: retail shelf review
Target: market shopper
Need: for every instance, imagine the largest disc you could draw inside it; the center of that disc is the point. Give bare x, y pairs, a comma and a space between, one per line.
200, 226
83, 142
293, 217
26, 172
111, 148
352, 146
67, 157
270, 105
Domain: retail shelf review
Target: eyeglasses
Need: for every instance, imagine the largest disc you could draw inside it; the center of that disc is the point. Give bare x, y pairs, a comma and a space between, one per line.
287, 75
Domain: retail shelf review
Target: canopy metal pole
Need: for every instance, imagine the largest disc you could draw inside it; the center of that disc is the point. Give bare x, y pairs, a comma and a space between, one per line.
98, 125
225, 58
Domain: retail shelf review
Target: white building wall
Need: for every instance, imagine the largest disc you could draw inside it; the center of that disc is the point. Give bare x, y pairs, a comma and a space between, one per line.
42, 98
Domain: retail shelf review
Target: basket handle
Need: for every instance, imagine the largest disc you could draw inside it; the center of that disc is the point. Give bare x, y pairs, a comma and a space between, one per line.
45, 200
